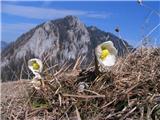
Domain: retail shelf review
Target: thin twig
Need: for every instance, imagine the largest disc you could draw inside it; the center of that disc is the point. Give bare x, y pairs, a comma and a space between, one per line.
108, 103
128, 113
91, 92
84, 96
78, 114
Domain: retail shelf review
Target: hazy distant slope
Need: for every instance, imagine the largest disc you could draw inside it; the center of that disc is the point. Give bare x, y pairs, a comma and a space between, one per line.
4, 45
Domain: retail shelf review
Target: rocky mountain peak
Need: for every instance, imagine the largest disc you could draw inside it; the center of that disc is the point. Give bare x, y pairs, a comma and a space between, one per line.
58, 41
72, 20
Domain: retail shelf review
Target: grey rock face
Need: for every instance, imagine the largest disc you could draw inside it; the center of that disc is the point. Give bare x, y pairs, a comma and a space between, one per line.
59, 41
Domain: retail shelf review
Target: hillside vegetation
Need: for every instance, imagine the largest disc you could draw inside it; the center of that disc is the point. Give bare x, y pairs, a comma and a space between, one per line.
131, 90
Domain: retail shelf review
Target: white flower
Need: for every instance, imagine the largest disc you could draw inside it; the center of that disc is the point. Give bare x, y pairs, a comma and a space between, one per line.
82, 86
35, 65
37, 81
106, 54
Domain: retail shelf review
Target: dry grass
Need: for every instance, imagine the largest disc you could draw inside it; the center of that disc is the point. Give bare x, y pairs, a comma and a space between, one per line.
131, 90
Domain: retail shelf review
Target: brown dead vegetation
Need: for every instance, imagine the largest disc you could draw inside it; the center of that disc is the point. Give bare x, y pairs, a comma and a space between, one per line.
130, 90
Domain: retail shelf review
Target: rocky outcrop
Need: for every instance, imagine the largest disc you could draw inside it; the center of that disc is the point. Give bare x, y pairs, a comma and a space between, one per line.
56, 41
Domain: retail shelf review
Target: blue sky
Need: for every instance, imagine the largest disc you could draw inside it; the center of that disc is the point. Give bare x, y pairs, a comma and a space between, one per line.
134, 20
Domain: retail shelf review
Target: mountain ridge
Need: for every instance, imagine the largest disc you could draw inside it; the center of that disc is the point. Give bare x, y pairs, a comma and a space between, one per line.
58, 41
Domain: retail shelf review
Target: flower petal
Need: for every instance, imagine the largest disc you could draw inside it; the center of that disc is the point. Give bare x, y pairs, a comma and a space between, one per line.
35, 65
106, 54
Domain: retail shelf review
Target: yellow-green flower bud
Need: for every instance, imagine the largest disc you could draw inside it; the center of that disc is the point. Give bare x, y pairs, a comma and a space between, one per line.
104, 54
